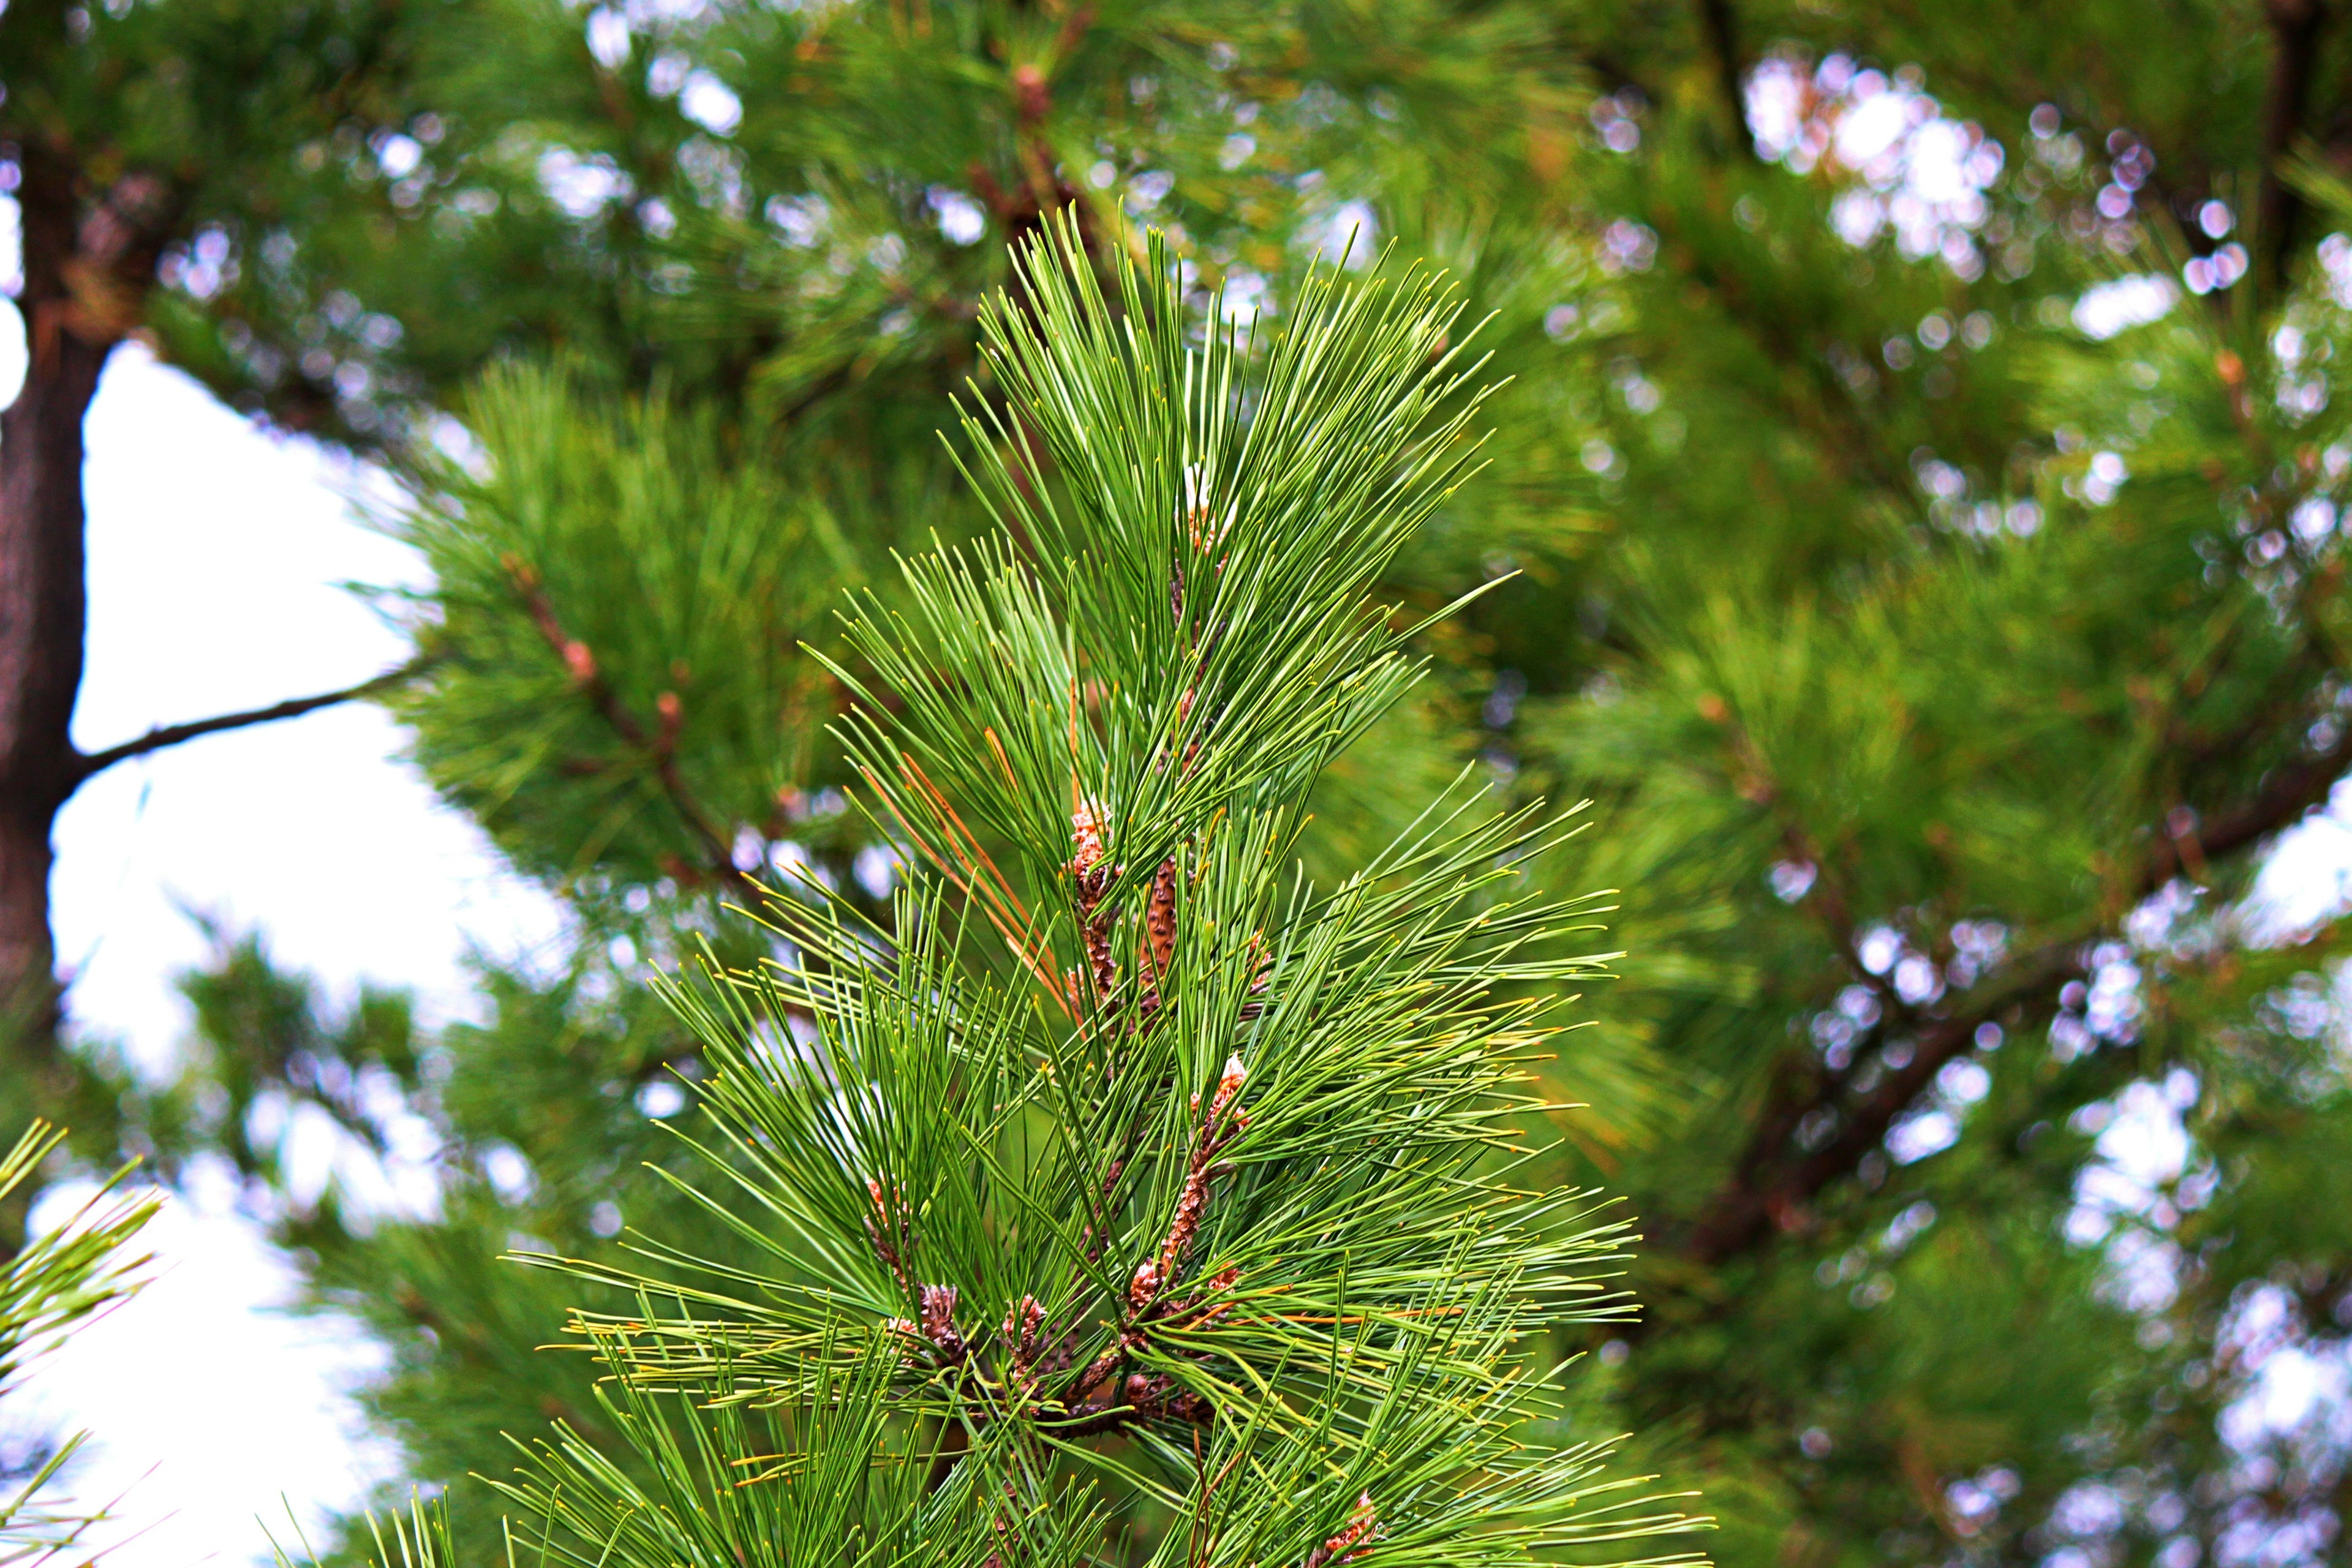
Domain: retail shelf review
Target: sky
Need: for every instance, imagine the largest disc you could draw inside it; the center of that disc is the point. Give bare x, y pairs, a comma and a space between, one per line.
216, 553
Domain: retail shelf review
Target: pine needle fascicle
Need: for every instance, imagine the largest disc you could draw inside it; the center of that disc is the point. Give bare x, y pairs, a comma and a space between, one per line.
1130, 1177
61, 1279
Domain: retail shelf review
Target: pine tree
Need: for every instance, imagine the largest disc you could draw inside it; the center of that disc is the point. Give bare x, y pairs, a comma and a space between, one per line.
730, 351
755, 237
1941, 674
1129, 1197
175, 173
1946, 662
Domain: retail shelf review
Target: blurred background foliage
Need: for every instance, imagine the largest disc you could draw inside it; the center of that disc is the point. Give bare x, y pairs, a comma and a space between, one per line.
1918, 486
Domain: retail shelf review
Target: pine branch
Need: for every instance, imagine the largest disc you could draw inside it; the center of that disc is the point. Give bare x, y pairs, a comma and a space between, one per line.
1771, 1188
2295, 27
1769, 1193
1130, 1159
2280, 800
1722, 31
657, 746
58, 1282
84, 767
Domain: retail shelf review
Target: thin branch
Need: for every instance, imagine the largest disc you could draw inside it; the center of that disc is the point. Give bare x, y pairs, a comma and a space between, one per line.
2295, 38
85, 766
2285, 792
658, 745
1768, 1190
1749, 1209
1723, 43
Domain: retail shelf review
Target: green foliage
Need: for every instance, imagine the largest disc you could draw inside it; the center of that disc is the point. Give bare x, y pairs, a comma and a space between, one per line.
56, 1281
1940, 675
1235, 1161
619, 551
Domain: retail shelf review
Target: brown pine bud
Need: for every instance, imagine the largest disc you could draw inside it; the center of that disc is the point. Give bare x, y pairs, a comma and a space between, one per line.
887, 1231
1023, 1319
1346, 1546
939, 1304
1087, 825
1160, 919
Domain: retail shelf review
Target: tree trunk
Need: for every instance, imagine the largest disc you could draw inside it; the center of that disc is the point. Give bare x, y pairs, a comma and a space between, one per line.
41, 590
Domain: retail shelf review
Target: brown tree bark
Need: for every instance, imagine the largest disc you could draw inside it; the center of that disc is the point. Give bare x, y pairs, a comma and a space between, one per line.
2295, 28
90, 258
42, 594
1722, 31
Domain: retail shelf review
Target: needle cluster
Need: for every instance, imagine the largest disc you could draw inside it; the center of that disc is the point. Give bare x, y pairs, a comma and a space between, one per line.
1131, 1198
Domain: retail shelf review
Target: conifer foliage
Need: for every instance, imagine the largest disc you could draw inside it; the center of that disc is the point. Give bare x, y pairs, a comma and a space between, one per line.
57, 1281
1131, 1198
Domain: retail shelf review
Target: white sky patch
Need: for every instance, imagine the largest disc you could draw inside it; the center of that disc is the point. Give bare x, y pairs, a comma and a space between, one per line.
214, 556
580, 186
11, 276
1917, 172
961, 220
2107, 308
2295, 1388
212, 1410
710, 103
215, 552
1871, 128
1351, 231
608, 38
1915, 1137
1246, 295
2308, 877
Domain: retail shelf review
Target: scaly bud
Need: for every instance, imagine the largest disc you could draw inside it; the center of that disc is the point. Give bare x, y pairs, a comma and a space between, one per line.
1087, 825
938, 1312
1347, 1545
938, 1327
1023, 1319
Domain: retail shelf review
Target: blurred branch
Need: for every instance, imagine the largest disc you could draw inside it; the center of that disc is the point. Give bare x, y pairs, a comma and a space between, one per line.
658, 746
1749, 1209
2294, 34
1722, 31
1772, 1183
2279, 801
85, 766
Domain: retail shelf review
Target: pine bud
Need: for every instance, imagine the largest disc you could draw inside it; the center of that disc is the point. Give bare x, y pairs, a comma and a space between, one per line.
938, 1322
1228, 1085
1346, 1545
1023, 1319
1145, 1286
1160, 919
1087, 825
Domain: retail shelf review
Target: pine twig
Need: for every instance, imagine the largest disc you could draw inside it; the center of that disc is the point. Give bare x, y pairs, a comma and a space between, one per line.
657, 745
1769, 1192
87, 766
